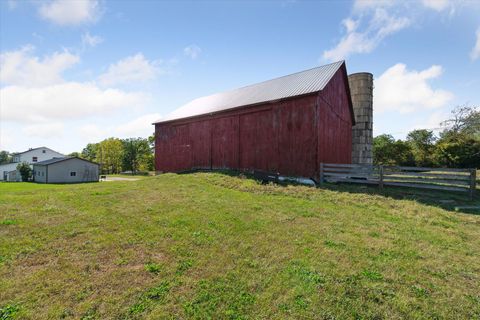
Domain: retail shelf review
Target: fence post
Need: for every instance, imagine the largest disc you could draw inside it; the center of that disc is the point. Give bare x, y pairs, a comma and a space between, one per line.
473, 182
321, 173
380, 184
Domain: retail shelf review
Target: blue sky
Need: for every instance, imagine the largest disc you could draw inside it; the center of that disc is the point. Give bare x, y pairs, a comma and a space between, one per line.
79, 71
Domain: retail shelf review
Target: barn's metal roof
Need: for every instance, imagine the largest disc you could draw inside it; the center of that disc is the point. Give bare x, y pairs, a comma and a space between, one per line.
300, 83
55, 160
50, 161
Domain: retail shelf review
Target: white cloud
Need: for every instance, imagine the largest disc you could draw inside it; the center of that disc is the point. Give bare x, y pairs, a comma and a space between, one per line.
362, 5
192, 51
139, 127
69, 100
45, 130
38, 104
431, 122
475, 53
131, 69
70, 12
371, 21
350, 24
91, 41
6, 139
437, 5
380, 25
35, 91
93, 133
22, 68
402, 90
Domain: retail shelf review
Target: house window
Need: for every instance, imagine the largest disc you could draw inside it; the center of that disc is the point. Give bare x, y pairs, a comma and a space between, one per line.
34, 159
73, 174
43, 151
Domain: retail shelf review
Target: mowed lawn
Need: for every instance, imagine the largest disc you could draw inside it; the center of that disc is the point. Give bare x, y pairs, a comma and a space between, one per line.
214, 246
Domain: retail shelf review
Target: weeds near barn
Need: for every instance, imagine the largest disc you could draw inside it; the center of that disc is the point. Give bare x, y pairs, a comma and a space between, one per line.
210, 245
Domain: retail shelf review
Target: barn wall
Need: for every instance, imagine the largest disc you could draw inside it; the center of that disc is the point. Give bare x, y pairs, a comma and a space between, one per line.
335, 121
201, 141
258, 140
297, 137
224, 148
290, 136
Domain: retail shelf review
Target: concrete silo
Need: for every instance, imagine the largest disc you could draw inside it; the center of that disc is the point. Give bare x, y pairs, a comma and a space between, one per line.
361, 91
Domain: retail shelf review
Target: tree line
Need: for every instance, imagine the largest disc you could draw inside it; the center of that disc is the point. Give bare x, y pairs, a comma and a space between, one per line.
120, 155
456, 146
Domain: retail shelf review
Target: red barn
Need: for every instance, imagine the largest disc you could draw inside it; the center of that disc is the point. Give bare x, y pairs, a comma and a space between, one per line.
288, 125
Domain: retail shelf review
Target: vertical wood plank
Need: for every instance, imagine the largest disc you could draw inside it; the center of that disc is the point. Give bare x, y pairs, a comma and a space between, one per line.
321, 173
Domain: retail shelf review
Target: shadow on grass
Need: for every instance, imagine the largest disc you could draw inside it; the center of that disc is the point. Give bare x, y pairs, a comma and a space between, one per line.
451, 201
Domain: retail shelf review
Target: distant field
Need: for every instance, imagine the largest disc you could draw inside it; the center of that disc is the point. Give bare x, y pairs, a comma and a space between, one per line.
214, 246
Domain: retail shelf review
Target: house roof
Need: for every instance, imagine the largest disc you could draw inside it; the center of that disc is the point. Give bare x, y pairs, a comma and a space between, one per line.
32, 149
56, 160
296, 84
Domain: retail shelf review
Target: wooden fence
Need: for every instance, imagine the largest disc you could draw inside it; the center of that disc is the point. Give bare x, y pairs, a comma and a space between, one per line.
463, 180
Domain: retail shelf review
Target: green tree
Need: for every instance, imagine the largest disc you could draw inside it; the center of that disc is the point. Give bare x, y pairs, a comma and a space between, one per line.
135, 153
461, 152
388, 151
464, 120
422, 143
148, 164
25, 171
75, 154
4, 157
110, 155
151, 141
459, 143
90, 151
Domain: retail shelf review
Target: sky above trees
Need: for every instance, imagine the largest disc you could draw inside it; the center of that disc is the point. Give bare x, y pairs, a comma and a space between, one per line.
74, 72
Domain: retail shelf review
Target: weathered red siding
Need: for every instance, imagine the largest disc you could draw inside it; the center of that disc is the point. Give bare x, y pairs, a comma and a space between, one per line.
201, 141
335, 121
291, 136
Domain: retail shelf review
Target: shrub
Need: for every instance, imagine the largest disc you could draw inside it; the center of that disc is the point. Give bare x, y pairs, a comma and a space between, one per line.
25, 171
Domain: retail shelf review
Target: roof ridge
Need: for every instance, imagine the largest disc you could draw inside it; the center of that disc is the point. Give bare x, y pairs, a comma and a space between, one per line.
264, 81
60, 159
36, 148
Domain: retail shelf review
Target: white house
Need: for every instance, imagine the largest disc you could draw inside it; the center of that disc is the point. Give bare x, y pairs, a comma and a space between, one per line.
8, 171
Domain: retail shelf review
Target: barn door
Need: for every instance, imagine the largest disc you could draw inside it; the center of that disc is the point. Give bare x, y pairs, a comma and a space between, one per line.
225, 143
258, 141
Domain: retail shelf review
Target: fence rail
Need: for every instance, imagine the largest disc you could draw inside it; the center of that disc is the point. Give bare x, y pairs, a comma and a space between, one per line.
463, 180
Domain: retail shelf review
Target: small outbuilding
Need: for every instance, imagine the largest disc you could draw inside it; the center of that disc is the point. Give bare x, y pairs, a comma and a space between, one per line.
65, 170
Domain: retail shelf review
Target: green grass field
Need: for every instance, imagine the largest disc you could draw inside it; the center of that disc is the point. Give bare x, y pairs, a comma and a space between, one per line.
214, 246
